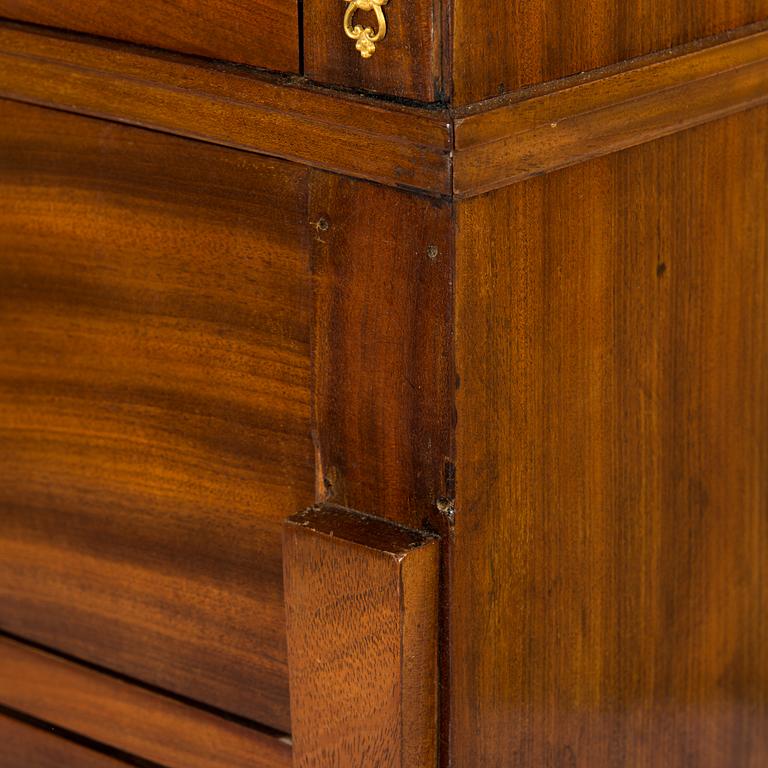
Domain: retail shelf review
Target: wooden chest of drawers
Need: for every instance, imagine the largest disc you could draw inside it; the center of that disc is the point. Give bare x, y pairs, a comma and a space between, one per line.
383, 384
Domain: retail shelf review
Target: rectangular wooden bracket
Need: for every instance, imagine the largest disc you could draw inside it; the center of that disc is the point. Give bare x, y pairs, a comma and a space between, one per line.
361, 603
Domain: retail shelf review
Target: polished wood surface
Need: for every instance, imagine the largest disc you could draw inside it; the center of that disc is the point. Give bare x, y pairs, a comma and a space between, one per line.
530, 318
386, 142
154, 402
361, 608
466, 150
499, 47
128, 717
264, 33
381, 262
26, 746
608, 592
407, 63
506, 141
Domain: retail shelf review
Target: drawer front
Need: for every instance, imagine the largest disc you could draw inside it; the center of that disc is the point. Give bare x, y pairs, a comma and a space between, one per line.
154, 402
26, 746
131, 719
406, 62
262, 33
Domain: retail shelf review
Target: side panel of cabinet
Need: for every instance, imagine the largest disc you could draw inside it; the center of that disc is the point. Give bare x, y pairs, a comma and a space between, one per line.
499, 47
154, 402
609, 601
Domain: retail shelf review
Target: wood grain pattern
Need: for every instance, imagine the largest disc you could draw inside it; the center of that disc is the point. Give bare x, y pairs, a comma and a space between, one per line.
127, 717
263, 33
577, 121
361, 608
608, 595
386, 142
465, 151
24, 746
499, 47
154, 402
407, 63
382, 363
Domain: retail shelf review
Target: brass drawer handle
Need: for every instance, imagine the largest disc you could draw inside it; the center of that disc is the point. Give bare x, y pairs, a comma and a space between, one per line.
365, 36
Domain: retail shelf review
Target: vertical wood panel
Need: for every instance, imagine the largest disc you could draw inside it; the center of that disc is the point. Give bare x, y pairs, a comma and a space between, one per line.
382, 348
609, 590
361, 605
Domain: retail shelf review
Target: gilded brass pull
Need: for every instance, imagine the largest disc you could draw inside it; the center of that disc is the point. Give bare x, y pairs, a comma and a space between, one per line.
365, 36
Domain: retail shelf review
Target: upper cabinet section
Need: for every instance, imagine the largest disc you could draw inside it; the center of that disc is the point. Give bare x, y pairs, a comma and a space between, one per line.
391, 47
431, 51
500, 46
262, 33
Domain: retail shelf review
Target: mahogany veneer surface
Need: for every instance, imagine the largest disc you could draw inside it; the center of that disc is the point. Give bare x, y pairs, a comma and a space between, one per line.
26, 746
536, 325
263, 33
409, 62
608, 590
361, 608
499, 47
381, 348
154, 402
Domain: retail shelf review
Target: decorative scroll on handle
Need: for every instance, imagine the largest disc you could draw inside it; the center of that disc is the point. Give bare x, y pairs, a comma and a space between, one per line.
365, 36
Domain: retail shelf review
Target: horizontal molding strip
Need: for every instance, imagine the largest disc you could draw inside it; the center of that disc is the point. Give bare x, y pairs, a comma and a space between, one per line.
476, 149
613, 110
127, 717
396, 145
